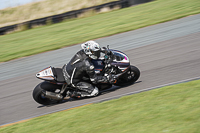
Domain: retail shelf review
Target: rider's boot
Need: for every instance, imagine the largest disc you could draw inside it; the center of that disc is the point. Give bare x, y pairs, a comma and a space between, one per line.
87, 89
86, 93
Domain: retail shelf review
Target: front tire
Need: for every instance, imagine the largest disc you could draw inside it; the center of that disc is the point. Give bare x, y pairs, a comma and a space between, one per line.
129, 77
38, 95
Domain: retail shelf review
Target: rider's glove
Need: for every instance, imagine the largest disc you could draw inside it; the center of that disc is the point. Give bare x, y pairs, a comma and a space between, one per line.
106, 51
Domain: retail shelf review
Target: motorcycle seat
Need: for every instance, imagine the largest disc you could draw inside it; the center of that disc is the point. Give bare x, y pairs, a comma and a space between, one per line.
58, 74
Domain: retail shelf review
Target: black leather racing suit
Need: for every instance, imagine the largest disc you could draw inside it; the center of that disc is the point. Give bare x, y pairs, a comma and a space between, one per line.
79, 72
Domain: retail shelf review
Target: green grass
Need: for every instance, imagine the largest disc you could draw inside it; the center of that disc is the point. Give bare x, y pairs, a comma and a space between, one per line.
173, 109
76, 31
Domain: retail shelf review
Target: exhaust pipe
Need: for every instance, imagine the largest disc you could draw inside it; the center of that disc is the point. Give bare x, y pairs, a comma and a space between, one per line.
52, 95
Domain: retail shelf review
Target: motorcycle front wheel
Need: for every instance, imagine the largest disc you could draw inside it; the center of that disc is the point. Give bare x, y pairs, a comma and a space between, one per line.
129, 77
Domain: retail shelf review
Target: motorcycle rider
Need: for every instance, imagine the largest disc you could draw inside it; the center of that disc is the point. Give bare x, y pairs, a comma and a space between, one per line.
79, 72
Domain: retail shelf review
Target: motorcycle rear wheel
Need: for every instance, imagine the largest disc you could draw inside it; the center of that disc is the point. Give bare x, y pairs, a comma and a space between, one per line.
38, 95
129, 77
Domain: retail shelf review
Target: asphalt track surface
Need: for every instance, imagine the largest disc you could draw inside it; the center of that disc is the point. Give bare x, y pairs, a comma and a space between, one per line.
165, 53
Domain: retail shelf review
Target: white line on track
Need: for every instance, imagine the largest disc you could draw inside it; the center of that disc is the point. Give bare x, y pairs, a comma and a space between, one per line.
106, 99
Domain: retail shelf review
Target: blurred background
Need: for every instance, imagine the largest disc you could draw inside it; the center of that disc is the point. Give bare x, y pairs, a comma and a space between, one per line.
14, 3
17, 11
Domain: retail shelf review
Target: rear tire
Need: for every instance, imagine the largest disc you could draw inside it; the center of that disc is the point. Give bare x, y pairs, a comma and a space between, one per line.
38, 94
129, 77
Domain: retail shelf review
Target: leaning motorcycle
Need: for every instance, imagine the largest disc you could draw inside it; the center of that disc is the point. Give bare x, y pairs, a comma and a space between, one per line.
54, 89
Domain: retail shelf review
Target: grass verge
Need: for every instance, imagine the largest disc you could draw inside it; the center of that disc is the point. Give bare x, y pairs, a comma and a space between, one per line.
75, 31
173, 109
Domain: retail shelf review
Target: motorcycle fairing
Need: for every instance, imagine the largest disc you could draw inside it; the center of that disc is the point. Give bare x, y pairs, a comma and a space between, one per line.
46, 74
120, 59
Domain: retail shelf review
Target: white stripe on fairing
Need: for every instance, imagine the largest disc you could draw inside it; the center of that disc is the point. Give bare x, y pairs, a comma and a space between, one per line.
122, 68
73, 76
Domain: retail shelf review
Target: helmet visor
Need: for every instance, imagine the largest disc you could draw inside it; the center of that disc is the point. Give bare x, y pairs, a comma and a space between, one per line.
96, 53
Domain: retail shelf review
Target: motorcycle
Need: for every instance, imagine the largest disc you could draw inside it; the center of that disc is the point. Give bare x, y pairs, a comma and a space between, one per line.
54, 89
